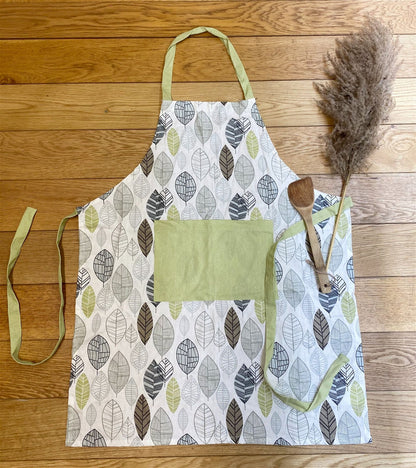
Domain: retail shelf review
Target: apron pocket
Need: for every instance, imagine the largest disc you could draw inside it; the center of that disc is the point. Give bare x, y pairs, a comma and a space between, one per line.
206, 260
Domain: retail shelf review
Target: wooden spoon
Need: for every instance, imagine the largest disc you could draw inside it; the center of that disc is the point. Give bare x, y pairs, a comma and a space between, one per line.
302, 197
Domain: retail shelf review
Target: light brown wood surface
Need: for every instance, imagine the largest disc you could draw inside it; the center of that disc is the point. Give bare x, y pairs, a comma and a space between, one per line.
79, 101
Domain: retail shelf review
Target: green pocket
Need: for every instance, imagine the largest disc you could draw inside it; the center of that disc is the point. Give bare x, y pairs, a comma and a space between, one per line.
206, 260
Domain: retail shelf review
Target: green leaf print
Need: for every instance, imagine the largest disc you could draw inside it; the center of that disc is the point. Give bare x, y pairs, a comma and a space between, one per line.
173, 394
265, 399
252, 144
342, 226
357, 398
173, 214
348, 307
260, 310
173, 141
88, 301
82, 391
91, 218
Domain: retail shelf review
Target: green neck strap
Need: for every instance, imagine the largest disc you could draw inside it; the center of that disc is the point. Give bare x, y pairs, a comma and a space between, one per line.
170, 56
15, 326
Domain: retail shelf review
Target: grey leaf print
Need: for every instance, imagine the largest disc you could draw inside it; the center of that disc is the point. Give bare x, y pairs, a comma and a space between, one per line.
186, 439
98, 351
155, 206
251, 339
112, 419
244, 384
185, 186
79, 334
205, 203
254, 431
105, 298
293, 288
163, 335
299, 378
184, 111
204, 329
166, 369
292, 332
103, 265
203, 127
139, 355
256, 115
73, 426
116, 326
341, 339
321, 329
84, 247
286, 210
204, 422
83, 280
348, 430
208, 376
93, 439
100, 387
200, 163
119, 240
244, 172
163, 168
297, 426
267, 189
228, 361
234, 132
161, 429
187, 356
280, 360
222, 396
191, 392
118, 372
153, 380
238, 208
131, 392
123, 200
122, 283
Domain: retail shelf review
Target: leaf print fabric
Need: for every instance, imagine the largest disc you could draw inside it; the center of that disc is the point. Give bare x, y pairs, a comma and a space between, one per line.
145, 372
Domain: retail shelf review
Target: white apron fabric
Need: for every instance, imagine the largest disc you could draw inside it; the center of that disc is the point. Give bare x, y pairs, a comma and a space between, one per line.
128, 386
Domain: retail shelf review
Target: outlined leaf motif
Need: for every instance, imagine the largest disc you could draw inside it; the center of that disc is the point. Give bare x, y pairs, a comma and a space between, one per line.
187, 356
160, 131
200, 163
232, 328
203, 127
337, 253
186, 439
184, 111
84, 247
73, 426
135, 301
318, 363
234, 420
297, 426
292, 331
222, 396
100, 387
119, 240
328, 300
88, 301
260, 309
252, 144
219, 339
256, 372
239, 107
112, 419
132, 248
105, 298
299, 378
173, 394
293, 288
163, 335
321, 329
359, 357
308, 340
327, 423
204, 329
153, 380
91, 218
93, 439
286, 249
254, 431
173, 142
173, 214
145, 237
228, 361
96, 323
255, 214
118, 372
141, 186
98, 351
108, 215
337, 391
245, 122
82, 391
142, 416
77, 368
205, 203
145, 323
83, 280
116, 326
256, 115
280, 360
175, 309
237, 208
208, 376
221, 434
166, 368
348, 430
127, 429
139, 355
122, 283
348, 374
265, 399
286, 210
350, 269
226, 162
275, 423
191, 392
357, 398
147, 162
267, 189
314, 436
244, 172
123, 200
161, 429
244, 384
131, 392
185, 186
204, 422
242, 303
341, 339
281, 441
135, 217
155, 206
342, 226
251, 339
163, 168
348, 307
103, 265
234, 132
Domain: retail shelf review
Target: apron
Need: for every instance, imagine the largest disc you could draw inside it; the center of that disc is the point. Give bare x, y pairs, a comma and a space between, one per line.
198, 318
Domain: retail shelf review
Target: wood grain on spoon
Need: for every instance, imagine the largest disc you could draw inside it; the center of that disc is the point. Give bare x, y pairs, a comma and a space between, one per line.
301, 195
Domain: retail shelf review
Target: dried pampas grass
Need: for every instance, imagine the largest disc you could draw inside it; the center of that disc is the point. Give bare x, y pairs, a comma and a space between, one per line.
358, 99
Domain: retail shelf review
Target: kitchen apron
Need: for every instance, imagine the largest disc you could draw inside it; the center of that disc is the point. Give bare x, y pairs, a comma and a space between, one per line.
198, 318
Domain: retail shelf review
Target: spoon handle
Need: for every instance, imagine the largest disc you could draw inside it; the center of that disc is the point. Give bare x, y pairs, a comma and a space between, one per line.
324, 284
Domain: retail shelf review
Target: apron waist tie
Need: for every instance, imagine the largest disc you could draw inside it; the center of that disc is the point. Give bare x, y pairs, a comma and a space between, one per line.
15, 326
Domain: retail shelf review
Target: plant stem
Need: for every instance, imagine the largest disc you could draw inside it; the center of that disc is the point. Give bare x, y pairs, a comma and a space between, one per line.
334, 233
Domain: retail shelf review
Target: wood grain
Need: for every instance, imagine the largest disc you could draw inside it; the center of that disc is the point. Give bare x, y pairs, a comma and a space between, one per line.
59, 154
139, 60
137, 105
125, 19
37, 432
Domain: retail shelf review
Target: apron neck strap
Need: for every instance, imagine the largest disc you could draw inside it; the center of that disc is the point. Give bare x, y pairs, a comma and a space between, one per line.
170, 56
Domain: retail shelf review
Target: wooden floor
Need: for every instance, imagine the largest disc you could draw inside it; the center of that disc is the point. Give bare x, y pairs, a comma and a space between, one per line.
78, 108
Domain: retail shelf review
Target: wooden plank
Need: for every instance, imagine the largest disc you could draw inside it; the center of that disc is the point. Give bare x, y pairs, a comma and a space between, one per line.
141, 59
38, 260
33, 429
389, 360
125, 19
384, 305
380, 460
377, 198
137, 105
73, 154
